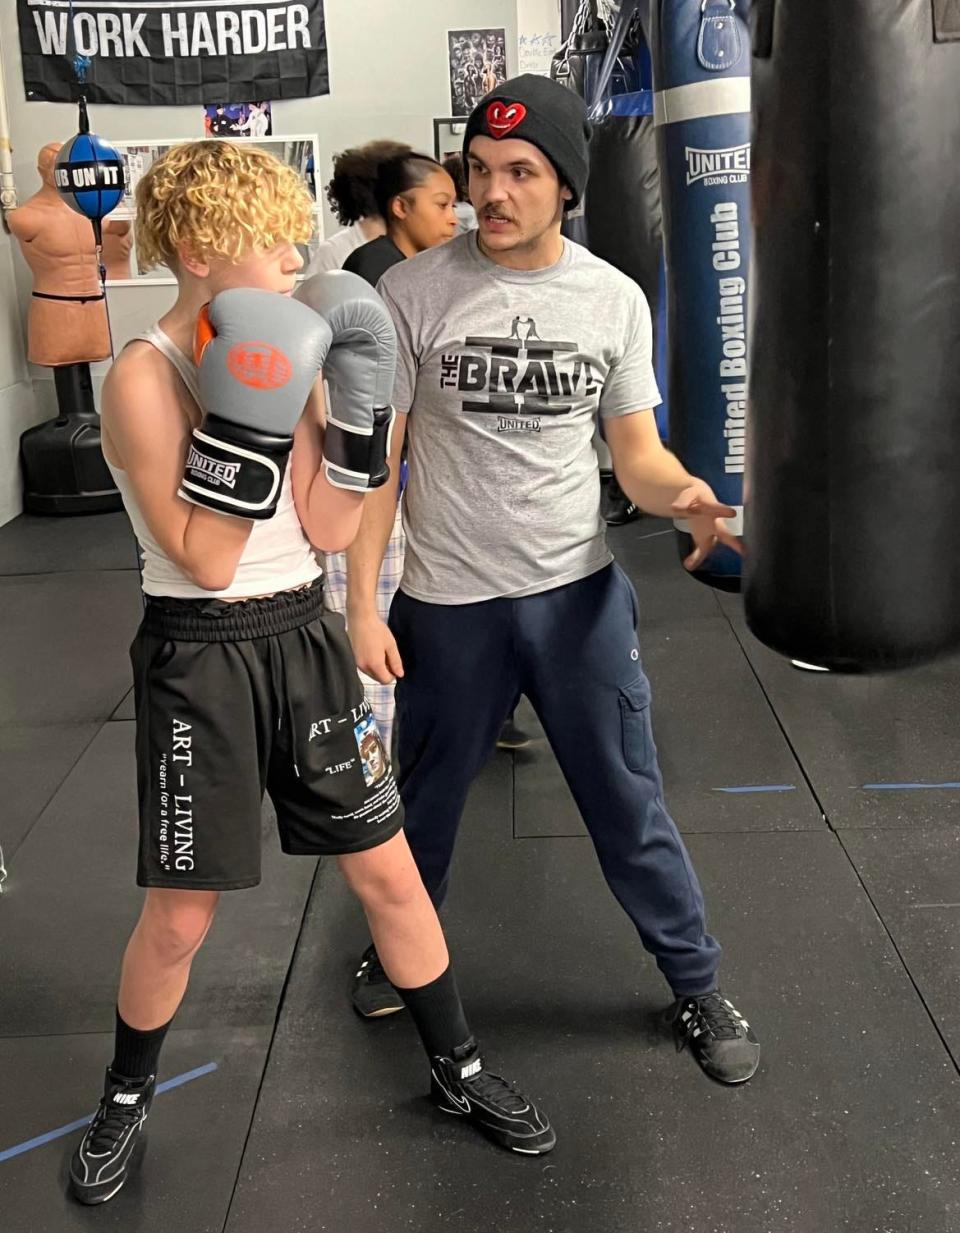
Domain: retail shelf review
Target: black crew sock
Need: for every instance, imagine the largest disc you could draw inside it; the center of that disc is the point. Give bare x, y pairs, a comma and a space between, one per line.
438, 1013
136, 1054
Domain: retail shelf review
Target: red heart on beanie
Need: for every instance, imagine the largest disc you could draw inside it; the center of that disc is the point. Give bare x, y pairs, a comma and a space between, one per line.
503, 118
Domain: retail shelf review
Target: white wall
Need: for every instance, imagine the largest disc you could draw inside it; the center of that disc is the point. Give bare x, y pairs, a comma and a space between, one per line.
388, 78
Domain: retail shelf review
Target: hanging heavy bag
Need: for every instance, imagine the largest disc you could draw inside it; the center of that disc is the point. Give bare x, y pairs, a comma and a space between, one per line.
854, 452
575, 67
701, 77
622, 199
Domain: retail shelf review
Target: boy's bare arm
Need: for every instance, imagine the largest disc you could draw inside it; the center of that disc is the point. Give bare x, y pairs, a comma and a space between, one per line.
147, 433
329, 515
365, 555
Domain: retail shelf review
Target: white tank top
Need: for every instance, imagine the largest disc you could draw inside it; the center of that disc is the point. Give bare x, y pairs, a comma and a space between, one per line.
277, 556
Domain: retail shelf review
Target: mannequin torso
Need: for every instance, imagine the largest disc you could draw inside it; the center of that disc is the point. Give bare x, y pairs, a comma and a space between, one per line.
70, 326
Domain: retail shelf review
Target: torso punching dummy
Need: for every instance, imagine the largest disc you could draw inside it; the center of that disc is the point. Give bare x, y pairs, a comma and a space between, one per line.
64, 471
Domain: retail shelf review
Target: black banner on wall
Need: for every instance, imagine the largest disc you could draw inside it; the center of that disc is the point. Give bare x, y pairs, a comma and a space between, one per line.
161, 53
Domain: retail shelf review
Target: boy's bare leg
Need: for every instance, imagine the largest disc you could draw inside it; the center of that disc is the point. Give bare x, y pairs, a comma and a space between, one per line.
156, 963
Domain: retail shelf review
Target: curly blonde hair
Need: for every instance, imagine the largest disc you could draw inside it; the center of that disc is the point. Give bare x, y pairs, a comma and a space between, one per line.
219, 199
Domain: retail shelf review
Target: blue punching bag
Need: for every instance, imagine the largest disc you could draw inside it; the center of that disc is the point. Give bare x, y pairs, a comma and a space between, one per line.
701, 77
89, 174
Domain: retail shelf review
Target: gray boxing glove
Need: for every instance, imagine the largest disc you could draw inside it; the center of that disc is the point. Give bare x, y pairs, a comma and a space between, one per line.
258, 354
359, 370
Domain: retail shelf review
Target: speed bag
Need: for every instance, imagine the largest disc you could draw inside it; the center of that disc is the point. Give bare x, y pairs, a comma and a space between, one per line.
701, 79
854, 452
89, 176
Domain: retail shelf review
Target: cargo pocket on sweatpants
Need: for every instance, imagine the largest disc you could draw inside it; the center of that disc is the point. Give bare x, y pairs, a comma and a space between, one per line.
635, 724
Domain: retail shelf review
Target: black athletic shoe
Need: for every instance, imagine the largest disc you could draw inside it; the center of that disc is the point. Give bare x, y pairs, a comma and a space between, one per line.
512, 737
460, 1085
373, 996
101, 1164
616, 508
719, 1037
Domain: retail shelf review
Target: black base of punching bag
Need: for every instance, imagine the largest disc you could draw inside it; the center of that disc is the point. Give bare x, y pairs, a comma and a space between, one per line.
62, 463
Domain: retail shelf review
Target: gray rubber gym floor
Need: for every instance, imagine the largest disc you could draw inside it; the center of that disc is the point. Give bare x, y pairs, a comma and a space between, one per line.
823, 814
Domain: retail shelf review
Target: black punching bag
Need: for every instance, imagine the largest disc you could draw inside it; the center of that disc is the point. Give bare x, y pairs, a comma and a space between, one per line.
624, 222
853, 457
576, 67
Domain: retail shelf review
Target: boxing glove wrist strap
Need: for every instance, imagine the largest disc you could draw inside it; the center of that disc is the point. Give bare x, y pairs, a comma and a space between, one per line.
234, 469
353, 458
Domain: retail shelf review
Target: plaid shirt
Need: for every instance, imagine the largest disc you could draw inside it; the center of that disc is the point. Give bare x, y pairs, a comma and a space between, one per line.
379, 696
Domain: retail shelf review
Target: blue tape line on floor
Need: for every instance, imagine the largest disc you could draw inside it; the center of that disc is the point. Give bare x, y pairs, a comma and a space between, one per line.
907, 787
27, 1146
761, 787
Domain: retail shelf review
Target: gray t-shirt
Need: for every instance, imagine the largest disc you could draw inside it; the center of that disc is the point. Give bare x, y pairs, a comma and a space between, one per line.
503, 373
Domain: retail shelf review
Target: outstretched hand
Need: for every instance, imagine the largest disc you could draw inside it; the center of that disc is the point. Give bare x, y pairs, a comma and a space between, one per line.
705, 516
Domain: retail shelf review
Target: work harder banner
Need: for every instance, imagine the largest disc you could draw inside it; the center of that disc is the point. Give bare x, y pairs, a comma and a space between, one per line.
175, 52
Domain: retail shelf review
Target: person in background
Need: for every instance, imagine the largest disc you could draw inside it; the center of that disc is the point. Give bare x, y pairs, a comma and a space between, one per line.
351, 197
416, 197
415, 194
466, 214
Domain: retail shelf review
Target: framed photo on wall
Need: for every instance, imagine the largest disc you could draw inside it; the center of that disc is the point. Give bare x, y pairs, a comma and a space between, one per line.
238, 120
448, 136
477, 61
298, 151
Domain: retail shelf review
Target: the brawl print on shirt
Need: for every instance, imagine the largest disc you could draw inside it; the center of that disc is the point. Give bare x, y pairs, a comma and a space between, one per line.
519, 378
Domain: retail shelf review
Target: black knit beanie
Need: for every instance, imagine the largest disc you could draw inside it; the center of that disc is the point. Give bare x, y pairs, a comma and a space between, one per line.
548, 115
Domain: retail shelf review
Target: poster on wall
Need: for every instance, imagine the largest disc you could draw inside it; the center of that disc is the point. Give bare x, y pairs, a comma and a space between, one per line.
298, 151
166, 53
478, 64
538, 35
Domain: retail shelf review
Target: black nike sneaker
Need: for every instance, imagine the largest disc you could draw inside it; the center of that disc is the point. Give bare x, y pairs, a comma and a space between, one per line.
460, 1085
373, 996
719, 1037
102, 1162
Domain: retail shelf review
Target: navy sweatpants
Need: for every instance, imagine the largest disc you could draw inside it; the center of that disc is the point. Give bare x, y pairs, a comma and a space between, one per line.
574, 652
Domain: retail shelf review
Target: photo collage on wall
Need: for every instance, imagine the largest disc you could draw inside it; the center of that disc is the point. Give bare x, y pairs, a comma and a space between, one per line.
299, 152
478, 64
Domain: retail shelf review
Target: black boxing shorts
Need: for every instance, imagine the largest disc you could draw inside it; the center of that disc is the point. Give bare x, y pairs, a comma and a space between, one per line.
235, 699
